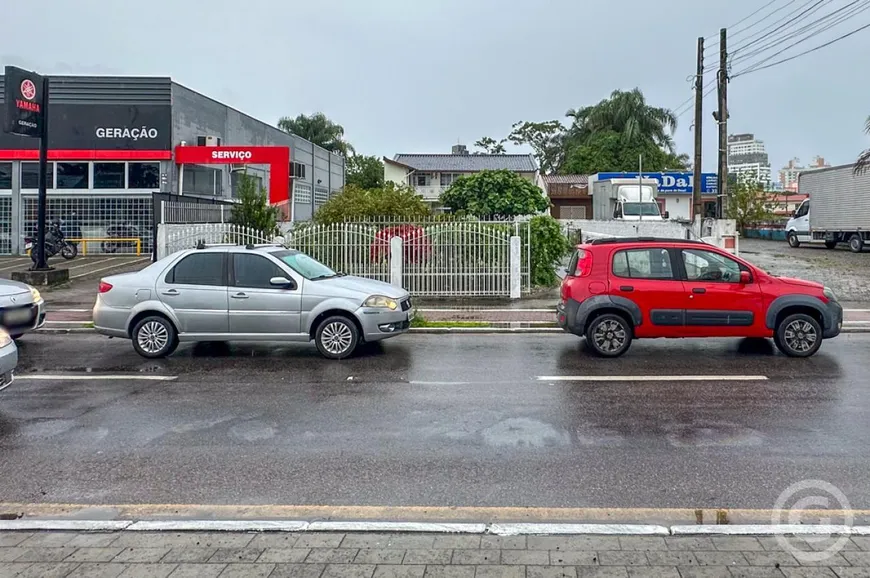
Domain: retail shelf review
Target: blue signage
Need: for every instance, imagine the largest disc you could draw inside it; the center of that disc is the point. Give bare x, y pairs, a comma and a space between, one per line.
669, 182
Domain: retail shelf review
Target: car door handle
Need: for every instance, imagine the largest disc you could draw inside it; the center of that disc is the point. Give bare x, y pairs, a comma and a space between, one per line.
239, 296
627, 288
170, 292
699, 290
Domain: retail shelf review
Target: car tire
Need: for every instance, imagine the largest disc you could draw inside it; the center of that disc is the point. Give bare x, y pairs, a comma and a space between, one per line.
609, 335
856, 243
336, 337
793, 240
798, 335
831, 244
154, 337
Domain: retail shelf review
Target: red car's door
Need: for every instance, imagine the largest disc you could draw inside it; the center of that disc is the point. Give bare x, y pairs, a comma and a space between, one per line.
717, 303
647, 277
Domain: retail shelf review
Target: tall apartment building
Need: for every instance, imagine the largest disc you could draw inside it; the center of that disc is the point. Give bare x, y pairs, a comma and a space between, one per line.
788, 175
747, 158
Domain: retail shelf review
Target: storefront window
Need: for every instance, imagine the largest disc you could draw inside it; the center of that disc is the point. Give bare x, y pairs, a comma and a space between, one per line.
109, 175
5, 175
202, 180
143, 175
73, 175
30, 175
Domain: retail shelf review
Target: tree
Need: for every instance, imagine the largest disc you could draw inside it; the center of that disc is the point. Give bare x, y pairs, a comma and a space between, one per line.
605, 151
547, 140
355, 203
749, 203
366, 172
319, 130
548, 246
253, 209
863, 162
498, 194
490, 146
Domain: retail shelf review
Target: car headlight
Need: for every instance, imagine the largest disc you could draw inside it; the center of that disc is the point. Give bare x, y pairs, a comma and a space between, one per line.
381, 301
5, 339
829, 294
34, 292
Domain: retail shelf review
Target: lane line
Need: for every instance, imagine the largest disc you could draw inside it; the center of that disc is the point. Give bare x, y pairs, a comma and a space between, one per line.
652, 378
95, 377
91, 263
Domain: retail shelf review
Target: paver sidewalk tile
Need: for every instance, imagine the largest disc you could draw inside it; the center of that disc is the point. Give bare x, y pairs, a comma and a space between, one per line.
500, 571
13, 568
389, 541
393, 571
247, 571
644, 543
861, 542
284, 555
141, 555
147, 571
683, 543
462, 541
550, 571
854, 558
653, 572
770, 559
274, 540
756, 572
188, 555
573, 543
11, 553
428, 556
298, 571
736, 544
234, 555
720, 559
98, 540
852, 572
93, 555
490, 542
48, 539
9, 539
829, 560
671, 558
48, 570
331, 555
379, 556
349, 571
808, 572
320, 540
573, 558
704, 572
97, 570
197, 570
442, 571
525, 557
622, 558
476, 557
599, 572
44, 554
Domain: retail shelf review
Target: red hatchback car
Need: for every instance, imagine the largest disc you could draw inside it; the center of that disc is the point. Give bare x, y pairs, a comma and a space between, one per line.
617, 290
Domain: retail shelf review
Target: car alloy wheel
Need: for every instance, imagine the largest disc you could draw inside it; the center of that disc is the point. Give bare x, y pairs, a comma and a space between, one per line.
154, 337
799, 335
609, 335
337, 337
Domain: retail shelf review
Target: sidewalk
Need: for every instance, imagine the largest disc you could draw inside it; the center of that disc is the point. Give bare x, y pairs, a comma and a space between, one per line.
130, 554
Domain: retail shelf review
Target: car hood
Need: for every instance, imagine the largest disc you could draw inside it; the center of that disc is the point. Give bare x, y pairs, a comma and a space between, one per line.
800, 282
9, 288
361, 285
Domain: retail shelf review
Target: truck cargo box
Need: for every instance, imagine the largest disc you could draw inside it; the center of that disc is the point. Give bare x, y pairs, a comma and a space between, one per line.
839, 199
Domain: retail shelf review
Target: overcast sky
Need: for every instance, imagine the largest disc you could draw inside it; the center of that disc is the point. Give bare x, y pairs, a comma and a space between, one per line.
421, 75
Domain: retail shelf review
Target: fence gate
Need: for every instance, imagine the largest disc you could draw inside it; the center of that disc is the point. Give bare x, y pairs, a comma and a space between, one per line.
352, 248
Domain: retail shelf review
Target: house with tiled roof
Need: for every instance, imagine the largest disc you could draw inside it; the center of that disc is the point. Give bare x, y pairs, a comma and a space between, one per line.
432, 174
569, 196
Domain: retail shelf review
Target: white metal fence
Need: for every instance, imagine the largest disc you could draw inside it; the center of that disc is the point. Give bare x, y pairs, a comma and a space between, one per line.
185, 212
178, 237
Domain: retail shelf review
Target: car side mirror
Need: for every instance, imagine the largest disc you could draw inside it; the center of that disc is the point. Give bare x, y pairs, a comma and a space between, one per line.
282, 283
667, 215
745, 277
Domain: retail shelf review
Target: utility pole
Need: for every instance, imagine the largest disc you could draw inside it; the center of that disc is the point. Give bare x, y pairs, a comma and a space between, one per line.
722, 118
698, 207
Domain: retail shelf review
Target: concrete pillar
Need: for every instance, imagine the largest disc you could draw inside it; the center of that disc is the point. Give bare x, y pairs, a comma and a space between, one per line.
16, 244
516, 286
396, 264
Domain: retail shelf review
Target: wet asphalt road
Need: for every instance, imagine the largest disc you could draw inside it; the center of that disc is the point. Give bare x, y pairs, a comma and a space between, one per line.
435, 420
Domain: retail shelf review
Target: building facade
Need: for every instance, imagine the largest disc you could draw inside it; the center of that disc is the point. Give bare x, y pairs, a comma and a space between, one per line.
748, 158
569, 196
675, 192
432, 174
788, 175
112, 144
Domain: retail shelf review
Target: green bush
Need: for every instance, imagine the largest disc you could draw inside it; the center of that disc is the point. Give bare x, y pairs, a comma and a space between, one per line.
548, 247
354, 203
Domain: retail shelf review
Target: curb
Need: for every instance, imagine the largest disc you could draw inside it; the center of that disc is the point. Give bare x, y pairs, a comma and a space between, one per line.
519, 529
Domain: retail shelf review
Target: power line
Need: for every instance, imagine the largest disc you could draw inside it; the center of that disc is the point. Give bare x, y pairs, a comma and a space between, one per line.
687, 109
745, 18
756, 68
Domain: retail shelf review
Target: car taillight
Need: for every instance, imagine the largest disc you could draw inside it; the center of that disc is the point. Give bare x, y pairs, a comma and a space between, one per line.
584, 263
105, 287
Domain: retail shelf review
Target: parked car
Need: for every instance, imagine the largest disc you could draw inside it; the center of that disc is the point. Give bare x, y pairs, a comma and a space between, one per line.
8, 359
617, 290
22, 308
252, 293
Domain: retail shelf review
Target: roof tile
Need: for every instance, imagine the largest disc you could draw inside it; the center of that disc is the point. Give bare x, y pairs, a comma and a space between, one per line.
467, 163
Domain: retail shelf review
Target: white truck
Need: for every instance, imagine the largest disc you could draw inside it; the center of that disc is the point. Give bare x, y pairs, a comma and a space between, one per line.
840, 209
625, 199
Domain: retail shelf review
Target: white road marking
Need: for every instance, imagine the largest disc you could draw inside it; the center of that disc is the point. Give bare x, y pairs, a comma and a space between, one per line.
652, 378
439, 382
857, 310
91, 263
95, 377
543, 529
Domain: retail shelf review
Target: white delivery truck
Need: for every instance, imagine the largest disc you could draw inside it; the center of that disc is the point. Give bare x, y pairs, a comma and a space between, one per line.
625, 199
840, 209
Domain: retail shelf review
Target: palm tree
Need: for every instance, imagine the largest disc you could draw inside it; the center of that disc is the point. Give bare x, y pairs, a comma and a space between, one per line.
627, 113
318, 129
863, 162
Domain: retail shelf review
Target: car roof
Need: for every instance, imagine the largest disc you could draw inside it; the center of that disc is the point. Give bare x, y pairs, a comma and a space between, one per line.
228, 247
642, 240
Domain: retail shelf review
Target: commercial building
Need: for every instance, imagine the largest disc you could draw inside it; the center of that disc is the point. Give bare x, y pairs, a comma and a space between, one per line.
432, 174
788, 175
675, 192
748, 158
113, 141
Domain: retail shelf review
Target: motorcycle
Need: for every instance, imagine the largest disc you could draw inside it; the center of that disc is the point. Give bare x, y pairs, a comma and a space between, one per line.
120, 231
55, 243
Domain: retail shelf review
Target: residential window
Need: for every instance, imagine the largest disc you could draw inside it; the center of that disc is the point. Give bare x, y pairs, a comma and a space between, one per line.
448, 179
653, 263
143, 175
109, 175
73, 175
199, 269
30, 175
423, 179
5, 175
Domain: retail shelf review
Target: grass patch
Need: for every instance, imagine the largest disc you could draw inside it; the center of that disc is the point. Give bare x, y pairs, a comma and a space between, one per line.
420, 321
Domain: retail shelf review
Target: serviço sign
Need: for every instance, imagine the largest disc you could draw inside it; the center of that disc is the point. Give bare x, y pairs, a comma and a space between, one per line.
232, 155
25, 109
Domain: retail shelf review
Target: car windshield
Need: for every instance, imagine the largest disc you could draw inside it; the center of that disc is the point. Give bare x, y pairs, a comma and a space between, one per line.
309, 268
640, 209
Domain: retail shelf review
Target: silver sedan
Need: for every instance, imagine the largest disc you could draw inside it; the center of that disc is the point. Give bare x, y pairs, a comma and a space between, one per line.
8, 359
22, 308
237, 293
